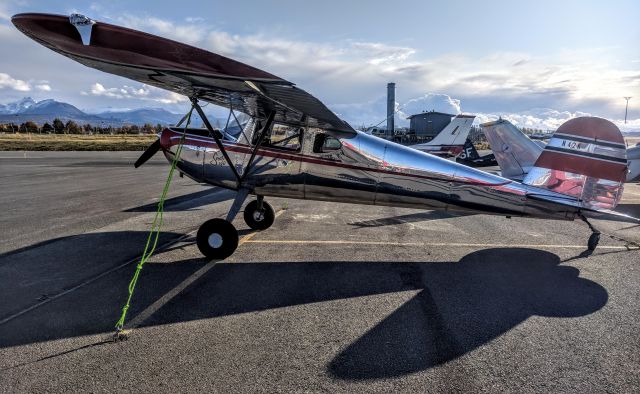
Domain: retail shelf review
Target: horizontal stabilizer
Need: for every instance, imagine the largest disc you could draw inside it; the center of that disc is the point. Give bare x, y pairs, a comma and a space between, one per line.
514, 151
586, 159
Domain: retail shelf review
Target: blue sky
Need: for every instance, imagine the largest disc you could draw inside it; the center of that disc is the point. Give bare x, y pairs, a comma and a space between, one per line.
536, 62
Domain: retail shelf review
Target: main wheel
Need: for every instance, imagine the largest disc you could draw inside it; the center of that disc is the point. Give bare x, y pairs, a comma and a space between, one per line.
593, 241
259, 220
217, 239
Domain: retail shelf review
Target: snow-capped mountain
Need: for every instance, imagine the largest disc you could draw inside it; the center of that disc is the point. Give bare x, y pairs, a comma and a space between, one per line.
43, 111
16, 106
142, 116
48, 107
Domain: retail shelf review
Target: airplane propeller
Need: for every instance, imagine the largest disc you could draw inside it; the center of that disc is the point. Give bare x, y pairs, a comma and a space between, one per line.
148, 153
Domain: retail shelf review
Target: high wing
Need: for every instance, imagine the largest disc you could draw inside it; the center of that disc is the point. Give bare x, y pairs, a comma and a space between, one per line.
180, 68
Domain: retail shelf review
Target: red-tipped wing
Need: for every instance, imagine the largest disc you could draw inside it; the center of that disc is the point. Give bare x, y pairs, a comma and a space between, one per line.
181, 68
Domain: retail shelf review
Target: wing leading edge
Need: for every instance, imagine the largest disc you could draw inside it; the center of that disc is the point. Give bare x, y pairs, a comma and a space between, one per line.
183, 69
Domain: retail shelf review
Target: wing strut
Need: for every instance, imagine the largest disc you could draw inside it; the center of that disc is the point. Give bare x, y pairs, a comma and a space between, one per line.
194, 101
263, 133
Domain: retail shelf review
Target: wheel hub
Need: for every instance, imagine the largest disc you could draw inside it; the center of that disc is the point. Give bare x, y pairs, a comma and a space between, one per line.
215, 240
258, 216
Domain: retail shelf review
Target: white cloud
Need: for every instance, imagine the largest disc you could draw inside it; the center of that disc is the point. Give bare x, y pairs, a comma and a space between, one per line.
7, 82
538, 118
431, 102
193, 19
378, 53
190, 34
144, 92
373, 113
350, 74
4, 12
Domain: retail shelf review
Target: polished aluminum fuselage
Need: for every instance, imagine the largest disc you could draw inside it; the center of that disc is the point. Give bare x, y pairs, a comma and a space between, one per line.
365, 170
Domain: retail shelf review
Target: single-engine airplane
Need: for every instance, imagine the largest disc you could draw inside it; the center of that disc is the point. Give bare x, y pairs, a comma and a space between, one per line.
516, 153
295, 147
449, 142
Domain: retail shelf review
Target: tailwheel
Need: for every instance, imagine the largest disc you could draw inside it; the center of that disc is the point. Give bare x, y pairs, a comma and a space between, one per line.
217, 239
593, 241
592, 244
259, 218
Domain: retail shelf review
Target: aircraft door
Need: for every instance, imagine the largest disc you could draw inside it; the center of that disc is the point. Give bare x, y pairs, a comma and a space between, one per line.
336, 170
276, 167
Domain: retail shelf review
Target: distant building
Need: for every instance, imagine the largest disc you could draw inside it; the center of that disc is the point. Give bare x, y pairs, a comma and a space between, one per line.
427, 125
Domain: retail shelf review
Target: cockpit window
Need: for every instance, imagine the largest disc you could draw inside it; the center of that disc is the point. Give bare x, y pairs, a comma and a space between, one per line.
280, 136
324, 143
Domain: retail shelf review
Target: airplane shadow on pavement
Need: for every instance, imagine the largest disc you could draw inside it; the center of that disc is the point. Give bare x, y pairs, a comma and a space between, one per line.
458, 307
408, 218
187, 201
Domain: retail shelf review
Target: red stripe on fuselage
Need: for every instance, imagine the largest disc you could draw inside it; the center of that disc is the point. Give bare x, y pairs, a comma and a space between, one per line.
207, 142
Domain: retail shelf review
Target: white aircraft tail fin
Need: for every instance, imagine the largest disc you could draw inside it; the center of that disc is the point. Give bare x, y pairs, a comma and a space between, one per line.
586, 158
514, 151
455, 133
633, 155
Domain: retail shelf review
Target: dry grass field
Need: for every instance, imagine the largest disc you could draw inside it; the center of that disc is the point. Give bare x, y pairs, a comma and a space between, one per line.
71, 142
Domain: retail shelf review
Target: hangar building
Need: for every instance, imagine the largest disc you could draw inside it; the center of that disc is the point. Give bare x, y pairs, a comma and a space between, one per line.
427, 125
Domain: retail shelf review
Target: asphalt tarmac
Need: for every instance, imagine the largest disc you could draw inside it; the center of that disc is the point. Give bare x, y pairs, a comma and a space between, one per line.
333, 297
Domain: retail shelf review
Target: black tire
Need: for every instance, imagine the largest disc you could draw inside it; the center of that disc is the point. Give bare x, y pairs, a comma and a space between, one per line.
259, 220
593, 241
217, 239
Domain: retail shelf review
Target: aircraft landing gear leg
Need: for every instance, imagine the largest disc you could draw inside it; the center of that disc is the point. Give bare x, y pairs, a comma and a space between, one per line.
217, 238
595, 235
258, 214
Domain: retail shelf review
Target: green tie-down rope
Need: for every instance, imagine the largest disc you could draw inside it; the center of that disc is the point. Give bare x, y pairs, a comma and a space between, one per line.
154, 233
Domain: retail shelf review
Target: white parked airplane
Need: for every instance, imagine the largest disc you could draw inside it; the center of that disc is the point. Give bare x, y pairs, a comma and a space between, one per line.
450, 141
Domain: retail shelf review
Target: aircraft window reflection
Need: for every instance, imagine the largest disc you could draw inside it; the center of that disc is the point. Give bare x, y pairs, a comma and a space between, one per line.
325, 143
282, 137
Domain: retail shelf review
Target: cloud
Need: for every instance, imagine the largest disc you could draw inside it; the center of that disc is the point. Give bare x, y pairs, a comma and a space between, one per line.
193, 19
431, 102
378, 53
144, 92
373, 113
7, 82
348, 73
190, 33
19, 85
5, 14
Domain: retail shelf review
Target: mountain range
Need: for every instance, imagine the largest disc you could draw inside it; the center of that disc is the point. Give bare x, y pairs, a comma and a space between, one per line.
43, 111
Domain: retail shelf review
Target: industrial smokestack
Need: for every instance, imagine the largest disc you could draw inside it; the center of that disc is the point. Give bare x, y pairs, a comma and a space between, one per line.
391, 109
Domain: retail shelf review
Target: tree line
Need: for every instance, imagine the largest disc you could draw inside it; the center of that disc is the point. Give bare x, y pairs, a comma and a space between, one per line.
71, 127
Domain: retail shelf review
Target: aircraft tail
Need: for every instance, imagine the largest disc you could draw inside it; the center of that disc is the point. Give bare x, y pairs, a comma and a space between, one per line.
514, 151
469, 151
586, 158
633, 155
455, 133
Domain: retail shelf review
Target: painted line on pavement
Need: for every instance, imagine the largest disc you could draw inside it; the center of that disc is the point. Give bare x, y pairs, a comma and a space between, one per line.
425, 244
